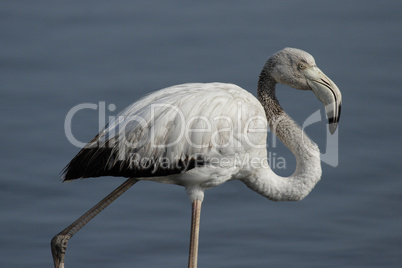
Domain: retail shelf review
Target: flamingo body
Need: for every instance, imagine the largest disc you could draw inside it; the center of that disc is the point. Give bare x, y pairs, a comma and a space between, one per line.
196, 135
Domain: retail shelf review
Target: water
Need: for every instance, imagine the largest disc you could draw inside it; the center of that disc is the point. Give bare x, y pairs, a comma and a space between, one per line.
57, 55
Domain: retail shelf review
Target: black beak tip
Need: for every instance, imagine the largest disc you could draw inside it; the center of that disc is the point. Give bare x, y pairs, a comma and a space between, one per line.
332, 125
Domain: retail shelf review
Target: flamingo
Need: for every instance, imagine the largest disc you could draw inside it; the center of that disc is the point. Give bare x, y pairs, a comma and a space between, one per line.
200, 135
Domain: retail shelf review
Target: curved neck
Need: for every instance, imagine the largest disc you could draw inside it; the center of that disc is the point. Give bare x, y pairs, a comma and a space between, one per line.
308, 167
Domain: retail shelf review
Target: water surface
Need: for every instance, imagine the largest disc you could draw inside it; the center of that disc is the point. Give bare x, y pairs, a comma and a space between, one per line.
56, 55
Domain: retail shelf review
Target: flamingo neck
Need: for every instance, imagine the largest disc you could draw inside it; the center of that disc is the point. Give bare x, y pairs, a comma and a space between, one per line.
308, 167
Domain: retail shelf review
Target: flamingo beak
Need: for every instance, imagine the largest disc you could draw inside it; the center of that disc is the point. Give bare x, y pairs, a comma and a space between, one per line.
327, 92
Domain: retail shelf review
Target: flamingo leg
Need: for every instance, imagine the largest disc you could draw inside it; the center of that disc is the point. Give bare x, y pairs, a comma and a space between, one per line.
195, 230
59, 241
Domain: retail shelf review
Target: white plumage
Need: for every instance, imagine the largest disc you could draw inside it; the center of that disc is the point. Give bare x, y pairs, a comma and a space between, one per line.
216, 122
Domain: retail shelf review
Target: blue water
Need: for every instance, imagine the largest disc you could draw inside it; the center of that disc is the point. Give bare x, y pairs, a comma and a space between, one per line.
54, 56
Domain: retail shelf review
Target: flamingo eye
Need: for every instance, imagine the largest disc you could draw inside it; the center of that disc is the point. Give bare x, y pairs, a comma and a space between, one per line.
301, 66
